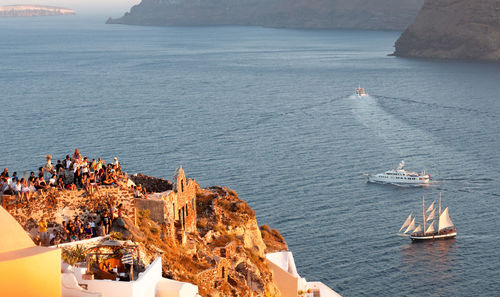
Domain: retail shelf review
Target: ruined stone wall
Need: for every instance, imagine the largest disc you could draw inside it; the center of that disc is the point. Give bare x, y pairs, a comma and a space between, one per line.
156, 208
184, 197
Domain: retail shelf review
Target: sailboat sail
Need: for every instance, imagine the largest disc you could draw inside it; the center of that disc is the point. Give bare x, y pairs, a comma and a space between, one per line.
411, 226
431, 206
406, 223
444, 220
418, 229
431, 228
430, 216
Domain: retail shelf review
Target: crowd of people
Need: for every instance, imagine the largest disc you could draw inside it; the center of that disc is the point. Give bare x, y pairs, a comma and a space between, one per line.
74, 172
74, 230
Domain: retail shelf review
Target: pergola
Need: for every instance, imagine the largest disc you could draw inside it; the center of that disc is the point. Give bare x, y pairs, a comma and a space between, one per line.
115, 253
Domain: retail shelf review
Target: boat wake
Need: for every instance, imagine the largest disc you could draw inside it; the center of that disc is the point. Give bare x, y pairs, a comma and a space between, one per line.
401, 139
440, 106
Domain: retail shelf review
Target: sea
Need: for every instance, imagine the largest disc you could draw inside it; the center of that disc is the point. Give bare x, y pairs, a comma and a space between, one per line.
271, 114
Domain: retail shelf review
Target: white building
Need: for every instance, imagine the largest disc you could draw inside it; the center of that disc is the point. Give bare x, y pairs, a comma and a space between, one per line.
289, 282
149, 283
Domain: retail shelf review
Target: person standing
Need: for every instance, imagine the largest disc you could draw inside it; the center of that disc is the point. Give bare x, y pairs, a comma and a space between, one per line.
48, 168
107, 222
44, 236
101, 230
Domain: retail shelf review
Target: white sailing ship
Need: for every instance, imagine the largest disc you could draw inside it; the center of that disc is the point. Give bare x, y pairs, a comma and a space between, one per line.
399, 176
426, 230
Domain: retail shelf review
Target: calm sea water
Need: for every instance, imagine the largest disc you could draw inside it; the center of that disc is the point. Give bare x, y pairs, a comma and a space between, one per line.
268, 113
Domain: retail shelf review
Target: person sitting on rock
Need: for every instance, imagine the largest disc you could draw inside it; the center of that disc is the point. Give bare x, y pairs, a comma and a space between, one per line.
40, 172
4, 186
56, 240
14, 177
108, 178
70, 186
40, 184
53, 181
25, 191
89, 233
15, 187
32, 177
5, 173
60, 183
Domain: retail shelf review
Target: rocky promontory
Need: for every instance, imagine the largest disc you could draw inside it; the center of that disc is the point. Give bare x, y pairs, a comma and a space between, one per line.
310, 14
33, 10
453, 29
200, 233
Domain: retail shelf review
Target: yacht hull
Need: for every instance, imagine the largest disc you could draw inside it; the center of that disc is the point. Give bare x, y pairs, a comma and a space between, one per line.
382, 178
432, 237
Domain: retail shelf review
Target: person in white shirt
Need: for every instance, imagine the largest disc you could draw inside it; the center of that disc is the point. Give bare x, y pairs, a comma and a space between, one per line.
117, 164
16, 187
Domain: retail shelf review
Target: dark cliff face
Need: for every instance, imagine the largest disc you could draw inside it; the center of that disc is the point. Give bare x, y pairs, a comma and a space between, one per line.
314, 14
454, 29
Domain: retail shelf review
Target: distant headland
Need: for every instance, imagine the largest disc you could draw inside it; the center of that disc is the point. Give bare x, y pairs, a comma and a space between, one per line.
453, 29
33, 10
306, 14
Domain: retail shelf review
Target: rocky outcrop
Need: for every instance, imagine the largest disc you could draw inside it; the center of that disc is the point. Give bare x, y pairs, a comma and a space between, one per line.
454, 29
33, 10
152, 184
311, 14
224, 255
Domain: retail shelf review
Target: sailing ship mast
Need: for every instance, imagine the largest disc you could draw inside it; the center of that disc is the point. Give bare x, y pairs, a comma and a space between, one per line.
439, 204
423, 212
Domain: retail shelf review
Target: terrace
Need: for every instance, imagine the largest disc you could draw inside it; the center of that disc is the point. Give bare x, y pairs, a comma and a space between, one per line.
108, 270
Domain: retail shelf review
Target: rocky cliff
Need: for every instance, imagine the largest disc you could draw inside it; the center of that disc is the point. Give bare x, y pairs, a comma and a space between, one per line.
454, 29
313, 14
224, 256
33, 10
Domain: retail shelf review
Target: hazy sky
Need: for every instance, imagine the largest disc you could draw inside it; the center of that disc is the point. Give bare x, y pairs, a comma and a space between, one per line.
111, 7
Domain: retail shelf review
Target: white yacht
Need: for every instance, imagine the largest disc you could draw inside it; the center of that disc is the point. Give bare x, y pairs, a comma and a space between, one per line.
399, 176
